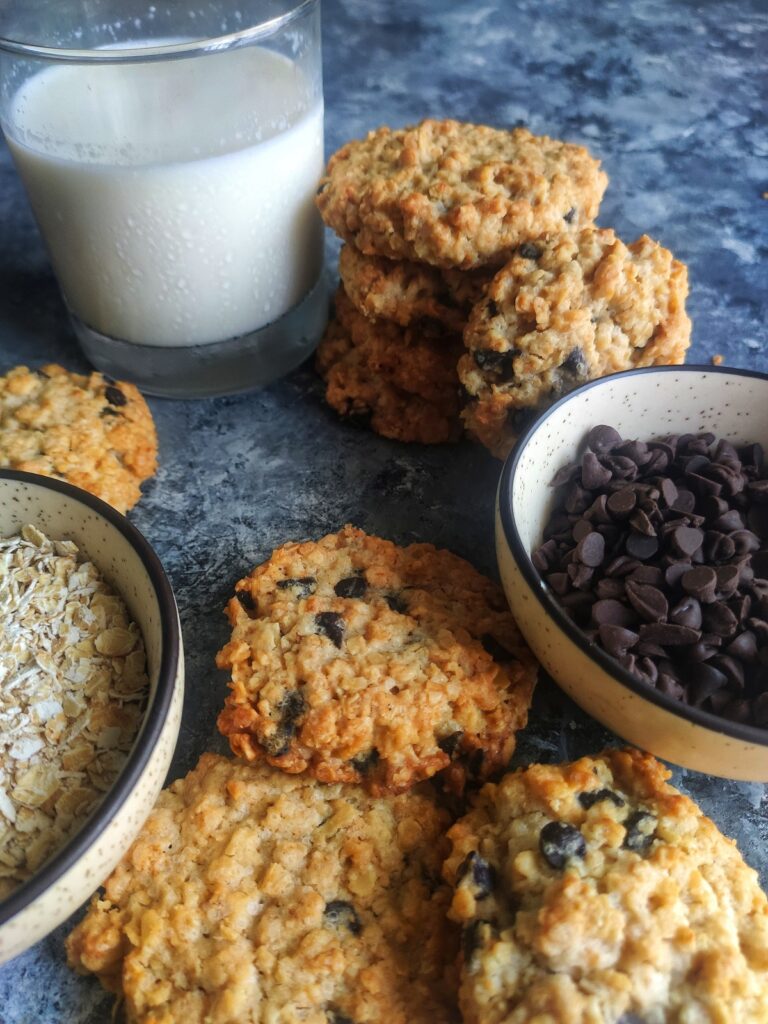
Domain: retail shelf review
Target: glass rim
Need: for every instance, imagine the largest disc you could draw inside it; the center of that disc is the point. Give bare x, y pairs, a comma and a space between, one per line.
172, 51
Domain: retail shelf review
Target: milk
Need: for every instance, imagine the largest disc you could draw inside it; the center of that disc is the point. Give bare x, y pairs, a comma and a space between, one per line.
176, 198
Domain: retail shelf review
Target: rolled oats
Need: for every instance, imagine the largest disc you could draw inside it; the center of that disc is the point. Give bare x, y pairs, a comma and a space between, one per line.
73, 683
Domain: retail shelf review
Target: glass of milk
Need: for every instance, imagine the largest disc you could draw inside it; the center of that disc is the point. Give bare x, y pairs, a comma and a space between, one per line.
171, 153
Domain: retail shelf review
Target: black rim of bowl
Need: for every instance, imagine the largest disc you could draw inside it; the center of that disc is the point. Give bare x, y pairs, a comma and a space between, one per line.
154, 716
707, 719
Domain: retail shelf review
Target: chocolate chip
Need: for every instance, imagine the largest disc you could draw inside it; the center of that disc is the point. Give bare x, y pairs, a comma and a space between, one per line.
640, 831
544, 557
685, 500
341, 914
559, 843
649, 574
593, 475
729, 521
687, 613
705, 680
639, 546
529, 251
449, 744
560, 583
496, 650
612, 613
247, 600
719, 619
290, 710
602, 439
668, 491
621, 467
482, 875
641, 523
751, 456
568, 217
743, 647
608, 589
744, 542
396, 603
700, 583
332, 625
671, 686
365, 763
617, 640
649, 602
351, 586
719, 547
333, 1016
727, 579
686, 540
731, 669
489, 359
590, 550
577, 500
669, 634
674, 572
108, 411
575, 364
565, 474
115, 396
595, 796
303, 586
598, 511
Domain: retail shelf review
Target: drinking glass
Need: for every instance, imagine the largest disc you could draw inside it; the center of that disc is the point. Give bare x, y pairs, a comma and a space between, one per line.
171, 155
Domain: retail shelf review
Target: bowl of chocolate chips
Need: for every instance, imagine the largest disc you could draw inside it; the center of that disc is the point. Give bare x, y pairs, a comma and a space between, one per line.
632, 538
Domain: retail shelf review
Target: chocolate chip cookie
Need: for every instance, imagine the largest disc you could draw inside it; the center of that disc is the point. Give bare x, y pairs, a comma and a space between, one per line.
593, 892
252, 897
455, 194
359, 661
406, 292
399, 381
91, 431
563, 311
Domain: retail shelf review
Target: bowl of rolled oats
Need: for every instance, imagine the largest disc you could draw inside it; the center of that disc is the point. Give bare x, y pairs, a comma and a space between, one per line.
91, 691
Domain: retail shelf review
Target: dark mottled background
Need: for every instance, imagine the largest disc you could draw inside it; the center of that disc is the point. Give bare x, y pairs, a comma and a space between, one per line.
671, 95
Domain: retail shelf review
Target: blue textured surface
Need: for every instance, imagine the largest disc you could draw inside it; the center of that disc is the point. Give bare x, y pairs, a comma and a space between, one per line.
671, 95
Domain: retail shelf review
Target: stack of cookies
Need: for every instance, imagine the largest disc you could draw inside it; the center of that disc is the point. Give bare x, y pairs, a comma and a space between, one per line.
475, 286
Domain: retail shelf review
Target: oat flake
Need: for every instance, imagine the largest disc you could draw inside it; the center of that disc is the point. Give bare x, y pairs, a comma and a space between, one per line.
72, 687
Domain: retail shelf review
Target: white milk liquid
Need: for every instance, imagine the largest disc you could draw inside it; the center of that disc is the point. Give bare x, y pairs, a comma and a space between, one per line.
176, 198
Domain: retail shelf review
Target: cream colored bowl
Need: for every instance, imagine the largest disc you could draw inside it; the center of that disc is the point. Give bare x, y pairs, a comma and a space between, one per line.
130, 565
639, 404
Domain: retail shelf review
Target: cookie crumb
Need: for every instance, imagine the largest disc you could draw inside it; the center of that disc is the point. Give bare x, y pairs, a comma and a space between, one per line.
717, 360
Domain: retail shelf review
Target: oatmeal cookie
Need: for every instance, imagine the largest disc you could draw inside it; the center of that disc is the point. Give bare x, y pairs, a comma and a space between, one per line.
595, 893
254, 897
402, 381
455, 194
359, 661
564, 311
91, 431
405, 292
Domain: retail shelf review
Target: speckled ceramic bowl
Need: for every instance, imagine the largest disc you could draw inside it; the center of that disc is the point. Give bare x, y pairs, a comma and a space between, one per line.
639, 404
130, 565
